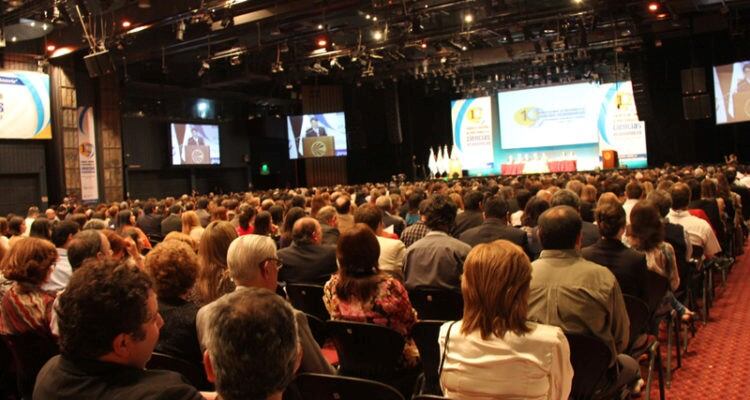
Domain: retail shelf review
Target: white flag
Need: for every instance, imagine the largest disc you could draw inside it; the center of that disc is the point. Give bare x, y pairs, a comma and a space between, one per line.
432, 163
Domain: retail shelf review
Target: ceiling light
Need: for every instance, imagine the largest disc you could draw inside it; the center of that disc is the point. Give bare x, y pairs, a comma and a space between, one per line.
13, 39
423, 45
368, 16
374, 18
321, 42
32, 24
51, 47
44, 27
180, 33
126, 24
320, 26
578, 1
464, 48
653, 6
443, 60
144, 3
662, 16
377, 35
468, 18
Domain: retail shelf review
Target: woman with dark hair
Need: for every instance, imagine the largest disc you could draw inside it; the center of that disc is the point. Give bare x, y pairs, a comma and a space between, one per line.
494, 351
292, 216
123, 247
126, 221
16, 229
646, 234
247, 214
277, 215
4, 233
213, 279
534, 208
360, 292
41, 228
25, 306
263, 224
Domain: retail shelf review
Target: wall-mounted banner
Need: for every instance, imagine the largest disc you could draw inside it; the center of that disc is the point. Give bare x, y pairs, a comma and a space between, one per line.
472, 132
24, 105
87, 154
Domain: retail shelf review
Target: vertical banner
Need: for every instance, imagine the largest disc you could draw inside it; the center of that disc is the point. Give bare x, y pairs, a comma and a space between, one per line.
472, 132
24, 105
619, 127
87, 154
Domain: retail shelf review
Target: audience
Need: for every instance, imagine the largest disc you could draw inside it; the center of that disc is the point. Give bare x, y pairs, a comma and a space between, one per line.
494, 351
360, 292
392, 223
191, 225
173, 222
213, 278
328, 225
391, 260
307, 260
418, 229
699, 231
496, 226
472, 215
62, 236
41, 228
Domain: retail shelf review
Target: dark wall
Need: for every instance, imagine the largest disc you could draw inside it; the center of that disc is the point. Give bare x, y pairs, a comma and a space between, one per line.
23, 175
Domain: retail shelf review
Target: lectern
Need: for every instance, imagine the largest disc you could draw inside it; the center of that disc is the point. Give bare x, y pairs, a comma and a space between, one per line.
609, 159
195, 154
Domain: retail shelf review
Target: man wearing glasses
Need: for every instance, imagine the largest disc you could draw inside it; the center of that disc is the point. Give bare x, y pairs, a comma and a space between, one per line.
252, 263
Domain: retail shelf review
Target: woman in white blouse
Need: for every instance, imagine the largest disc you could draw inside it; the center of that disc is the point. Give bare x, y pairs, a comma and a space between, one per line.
494, 352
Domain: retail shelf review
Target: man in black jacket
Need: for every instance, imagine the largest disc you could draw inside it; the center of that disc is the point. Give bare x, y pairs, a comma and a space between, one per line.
495, 226
172, 223
307, 260
628, 266
472, 215
150, 221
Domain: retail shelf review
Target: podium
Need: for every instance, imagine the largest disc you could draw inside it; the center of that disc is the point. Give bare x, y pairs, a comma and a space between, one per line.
610, 159
196, 154
321, 146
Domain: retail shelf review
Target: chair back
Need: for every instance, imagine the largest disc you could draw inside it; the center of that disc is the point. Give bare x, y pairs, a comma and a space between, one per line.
318, 328
639, 316
337, 387
657, 288
308, 299
425, 335
30, 351
590, 359
437, 304
193, 373
366, 350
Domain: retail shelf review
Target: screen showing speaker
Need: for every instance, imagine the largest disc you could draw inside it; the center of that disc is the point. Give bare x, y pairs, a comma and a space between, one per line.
732, 92
317, 135
195, 144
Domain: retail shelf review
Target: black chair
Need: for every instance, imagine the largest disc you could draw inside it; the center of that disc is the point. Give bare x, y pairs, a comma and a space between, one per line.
657, 288
425, 335
640, 318
366, 350
337, 387
437, 304
590, 359
30, 351
193, 373
318, 328
308, 299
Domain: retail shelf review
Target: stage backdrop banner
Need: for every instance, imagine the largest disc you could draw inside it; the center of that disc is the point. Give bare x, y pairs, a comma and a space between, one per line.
619, 127
472, 132
87, 154
24, 105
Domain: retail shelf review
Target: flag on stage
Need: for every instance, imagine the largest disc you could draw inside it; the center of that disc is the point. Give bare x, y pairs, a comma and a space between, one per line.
431, 163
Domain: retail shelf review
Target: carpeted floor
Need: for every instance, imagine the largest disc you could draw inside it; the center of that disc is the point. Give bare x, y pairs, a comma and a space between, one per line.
717, 365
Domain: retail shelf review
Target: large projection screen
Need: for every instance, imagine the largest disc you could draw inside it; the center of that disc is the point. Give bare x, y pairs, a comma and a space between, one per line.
24, 105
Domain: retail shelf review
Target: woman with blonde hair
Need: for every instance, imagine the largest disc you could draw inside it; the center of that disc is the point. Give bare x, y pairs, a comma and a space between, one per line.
191, 225
494, 352
213, 279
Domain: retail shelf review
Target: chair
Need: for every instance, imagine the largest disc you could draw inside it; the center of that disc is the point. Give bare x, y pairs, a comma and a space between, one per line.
308, 299
318, 329
437, 304
590, 359
337, 387
657, 288
193, 373
425, 335
366, 350
640, 317
30, 351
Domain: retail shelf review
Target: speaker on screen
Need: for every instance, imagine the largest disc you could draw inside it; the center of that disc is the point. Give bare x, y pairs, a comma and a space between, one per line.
392, 115
640, 88
99, 64
697, 106
693, 81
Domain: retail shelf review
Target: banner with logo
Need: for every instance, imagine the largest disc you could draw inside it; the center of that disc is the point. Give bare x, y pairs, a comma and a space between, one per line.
24, 105
619, 127
87, 154
472, 132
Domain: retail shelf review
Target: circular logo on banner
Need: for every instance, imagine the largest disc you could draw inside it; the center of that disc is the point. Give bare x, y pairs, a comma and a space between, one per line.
318, 149
197, 156
86, 150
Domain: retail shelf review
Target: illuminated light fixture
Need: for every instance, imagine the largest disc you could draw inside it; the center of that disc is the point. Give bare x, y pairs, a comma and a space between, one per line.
377, 35
138, 29
423, 45
443, 60
464, 48
181, 27
126, 24
653, 6
62, 51
374, 18
320, 26
321, 42
13, 39
32, 24
235, 61
44, 27
144, 3
662, 16
368, 16
51, 47
469, 18
205, 66
578, 1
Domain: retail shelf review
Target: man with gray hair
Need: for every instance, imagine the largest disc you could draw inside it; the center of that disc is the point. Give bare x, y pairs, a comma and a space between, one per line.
307, 260
389, 220
259, 320
328, 225
252, 263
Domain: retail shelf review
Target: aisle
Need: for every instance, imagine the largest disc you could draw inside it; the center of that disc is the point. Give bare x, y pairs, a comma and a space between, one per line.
718, 363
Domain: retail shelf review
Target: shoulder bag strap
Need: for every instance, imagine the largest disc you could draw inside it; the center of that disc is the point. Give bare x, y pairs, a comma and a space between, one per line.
445, 349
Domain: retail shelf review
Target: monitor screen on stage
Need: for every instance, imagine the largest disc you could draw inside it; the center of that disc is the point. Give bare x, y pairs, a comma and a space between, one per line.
24, 105
550, 116
732, 92
195, 144
317, 135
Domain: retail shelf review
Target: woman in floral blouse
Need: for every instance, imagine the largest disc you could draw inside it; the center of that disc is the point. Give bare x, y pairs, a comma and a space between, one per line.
359, 292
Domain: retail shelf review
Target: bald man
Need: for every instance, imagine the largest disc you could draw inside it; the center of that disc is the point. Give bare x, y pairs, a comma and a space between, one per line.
307, 260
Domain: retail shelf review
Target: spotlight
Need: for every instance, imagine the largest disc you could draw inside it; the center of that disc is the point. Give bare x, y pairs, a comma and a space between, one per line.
322, 41
377, 35
468, 18
653, 6
126, 24
464, 48
205, 66
13, 39
423, 45
368, 16
180, 33
51, 47
235, 61
320, 26
374, 18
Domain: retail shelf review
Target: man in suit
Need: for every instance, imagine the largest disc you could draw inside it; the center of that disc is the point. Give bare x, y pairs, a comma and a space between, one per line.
195, 139
201, 208
150, 221
307, 260
472, 215
495, 226
315, 129
329, 225
628, 266
385, 204
392, 251
567, 197
172, 223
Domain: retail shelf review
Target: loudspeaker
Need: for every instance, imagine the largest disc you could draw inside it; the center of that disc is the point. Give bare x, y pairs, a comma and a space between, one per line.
693, 81
641, 94
392, 115
697, 106
99, 64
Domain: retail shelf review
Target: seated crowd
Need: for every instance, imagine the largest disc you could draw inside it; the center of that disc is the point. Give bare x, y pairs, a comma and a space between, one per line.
202, 279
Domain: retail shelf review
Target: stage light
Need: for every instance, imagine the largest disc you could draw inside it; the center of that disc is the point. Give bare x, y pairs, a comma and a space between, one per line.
44, 27
653, 6
374, 18
126, 24
469, 18
320, 26
13, 39
180, 33
377, 35
443, 60
51, 47
423, 45
662, 16
322, 42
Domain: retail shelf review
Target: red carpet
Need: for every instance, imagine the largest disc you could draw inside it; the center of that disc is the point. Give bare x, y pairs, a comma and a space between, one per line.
717, 365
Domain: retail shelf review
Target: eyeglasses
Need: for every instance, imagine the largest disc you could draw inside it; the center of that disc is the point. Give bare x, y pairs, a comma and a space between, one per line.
276, 260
